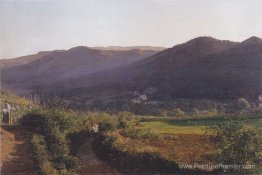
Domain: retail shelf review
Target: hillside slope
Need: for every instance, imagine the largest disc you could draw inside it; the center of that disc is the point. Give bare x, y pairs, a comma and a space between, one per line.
201, 68
25, 74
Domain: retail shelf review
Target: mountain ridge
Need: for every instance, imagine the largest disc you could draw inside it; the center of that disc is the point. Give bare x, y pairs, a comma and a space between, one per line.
203, 67
46, 68
224, 66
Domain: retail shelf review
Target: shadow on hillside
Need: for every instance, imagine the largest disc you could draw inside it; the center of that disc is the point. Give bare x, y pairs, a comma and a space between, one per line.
20, 160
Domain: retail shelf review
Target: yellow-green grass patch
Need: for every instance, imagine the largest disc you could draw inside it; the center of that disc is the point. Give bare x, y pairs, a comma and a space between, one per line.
165, 127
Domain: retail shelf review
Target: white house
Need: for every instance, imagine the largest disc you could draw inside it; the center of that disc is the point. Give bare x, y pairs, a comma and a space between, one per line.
143, 97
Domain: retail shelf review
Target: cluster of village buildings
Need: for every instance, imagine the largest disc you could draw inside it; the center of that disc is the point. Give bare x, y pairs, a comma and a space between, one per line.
142, 99
138, 99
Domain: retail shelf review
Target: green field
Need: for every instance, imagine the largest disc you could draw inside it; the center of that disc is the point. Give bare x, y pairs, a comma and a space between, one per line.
166, 127
189, 126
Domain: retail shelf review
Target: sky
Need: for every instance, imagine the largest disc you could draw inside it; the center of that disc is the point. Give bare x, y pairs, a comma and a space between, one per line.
30, 26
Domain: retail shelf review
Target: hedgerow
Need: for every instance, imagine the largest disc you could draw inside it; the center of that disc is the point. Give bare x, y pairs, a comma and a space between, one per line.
150, 162
40, 154
55, 125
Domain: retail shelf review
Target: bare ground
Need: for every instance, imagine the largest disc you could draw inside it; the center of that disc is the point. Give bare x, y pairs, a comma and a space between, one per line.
16, 156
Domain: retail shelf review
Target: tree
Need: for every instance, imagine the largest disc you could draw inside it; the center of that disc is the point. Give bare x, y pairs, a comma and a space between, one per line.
163, 113
237, 143
242, 105
179, 112
126, 119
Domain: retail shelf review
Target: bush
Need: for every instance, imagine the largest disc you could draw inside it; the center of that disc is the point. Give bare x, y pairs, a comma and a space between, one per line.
58, 118
104, 120
66, 163
237, 143
58, 143
56, 125
40, 153
142, 163
179, 112
44, 120
126, 120
163, 113
35, 119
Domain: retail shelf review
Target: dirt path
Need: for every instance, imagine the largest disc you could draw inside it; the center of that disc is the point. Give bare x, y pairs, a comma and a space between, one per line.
90, 164
16, 158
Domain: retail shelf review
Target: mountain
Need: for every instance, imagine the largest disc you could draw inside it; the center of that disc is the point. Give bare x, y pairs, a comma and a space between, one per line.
206, 68
23, 75
200, 68
203, 67
7, 63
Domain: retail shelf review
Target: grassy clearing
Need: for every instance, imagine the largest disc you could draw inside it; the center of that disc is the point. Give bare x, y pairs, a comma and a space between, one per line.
181, 148
165, 127
190, 126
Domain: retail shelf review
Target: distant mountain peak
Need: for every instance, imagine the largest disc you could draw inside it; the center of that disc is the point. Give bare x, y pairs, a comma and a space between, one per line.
80, 48
201, 46
252, 39
207, 40
203, 39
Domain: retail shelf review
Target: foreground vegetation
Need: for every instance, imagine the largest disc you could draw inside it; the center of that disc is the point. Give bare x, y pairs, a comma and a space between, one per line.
144, 144
51, 146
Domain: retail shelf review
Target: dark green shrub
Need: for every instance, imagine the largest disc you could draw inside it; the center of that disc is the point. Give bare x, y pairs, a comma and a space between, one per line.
39, 149
57, 142
237, 143
142, 163
58, 118
126, 120
34, 119
66, 163
104, 120
106, 126
40, 153
71, 163
56, 125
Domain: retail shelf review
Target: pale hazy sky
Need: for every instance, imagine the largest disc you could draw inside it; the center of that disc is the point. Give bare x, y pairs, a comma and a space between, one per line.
29, 26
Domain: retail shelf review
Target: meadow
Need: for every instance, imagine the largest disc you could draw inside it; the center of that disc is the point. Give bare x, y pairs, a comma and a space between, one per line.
196, 125
187, 140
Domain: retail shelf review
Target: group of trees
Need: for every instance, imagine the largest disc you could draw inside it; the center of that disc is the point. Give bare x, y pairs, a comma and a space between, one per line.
108, 122
185, 107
